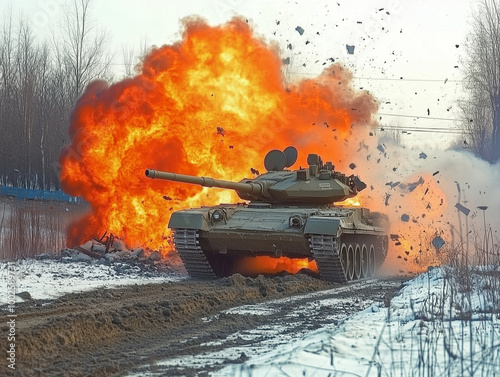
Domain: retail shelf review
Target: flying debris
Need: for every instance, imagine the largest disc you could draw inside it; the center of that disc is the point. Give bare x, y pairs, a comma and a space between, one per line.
438, 242
414, 185
300, 30
221, 131
462, 209
350, 49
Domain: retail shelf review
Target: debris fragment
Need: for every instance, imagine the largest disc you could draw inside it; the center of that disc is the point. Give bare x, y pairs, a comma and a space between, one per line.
462, 209
88, 253
438, 242
435, 173
300, 30
350, 49
155, 256
422, 155
412, 186
381, 148
387, 196
360, 185
221, 131
352, 166
405, 218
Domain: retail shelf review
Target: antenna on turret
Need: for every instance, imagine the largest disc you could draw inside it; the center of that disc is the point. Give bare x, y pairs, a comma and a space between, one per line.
291, 155
276, 160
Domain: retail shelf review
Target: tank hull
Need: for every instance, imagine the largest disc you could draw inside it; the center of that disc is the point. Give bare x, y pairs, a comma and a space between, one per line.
347, 243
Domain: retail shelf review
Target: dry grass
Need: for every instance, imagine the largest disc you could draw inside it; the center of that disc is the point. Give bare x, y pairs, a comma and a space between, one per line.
29, 228
460, 322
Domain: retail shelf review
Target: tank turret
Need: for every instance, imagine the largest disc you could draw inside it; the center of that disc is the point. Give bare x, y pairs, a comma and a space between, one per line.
319, 183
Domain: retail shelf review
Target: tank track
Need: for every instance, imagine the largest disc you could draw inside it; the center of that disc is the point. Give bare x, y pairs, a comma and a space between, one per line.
188, 246
326, 254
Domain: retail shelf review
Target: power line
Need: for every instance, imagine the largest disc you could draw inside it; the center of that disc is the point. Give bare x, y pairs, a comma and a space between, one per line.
417, 117
444, 81
402, 79
433, 130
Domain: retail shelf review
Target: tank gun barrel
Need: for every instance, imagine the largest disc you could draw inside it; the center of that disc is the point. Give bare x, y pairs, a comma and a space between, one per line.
249, 188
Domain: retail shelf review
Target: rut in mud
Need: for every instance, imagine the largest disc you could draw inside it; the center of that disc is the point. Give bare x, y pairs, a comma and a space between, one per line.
114, 332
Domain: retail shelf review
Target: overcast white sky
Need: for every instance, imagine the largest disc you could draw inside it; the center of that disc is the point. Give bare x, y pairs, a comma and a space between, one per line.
393, 38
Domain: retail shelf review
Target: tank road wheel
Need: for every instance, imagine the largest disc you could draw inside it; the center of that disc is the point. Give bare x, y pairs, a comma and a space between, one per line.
344, 259
364, 261
371, 261
350, 264
357, 262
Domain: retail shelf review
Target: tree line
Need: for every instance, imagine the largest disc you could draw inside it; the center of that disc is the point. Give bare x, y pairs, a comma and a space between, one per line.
480, 109
40, 82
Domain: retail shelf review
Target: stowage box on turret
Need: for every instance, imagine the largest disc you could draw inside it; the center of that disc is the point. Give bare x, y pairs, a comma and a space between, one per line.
290, 214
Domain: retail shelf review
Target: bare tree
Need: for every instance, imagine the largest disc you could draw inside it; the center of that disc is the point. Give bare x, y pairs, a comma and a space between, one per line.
85, 51
128, 57
481, 110
7, 77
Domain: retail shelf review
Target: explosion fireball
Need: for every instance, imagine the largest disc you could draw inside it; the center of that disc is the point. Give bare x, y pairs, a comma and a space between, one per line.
212, 104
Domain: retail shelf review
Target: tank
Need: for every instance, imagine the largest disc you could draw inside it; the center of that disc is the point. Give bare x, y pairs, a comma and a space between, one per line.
289, 213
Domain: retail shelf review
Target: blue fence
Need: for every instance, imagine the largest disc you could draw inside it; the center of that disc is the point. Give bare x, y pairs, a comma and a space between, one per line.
30, 194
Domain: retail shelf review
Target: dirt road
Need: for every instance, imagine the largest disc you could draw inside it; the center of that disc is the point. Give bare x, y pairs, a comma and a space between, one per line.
184, 328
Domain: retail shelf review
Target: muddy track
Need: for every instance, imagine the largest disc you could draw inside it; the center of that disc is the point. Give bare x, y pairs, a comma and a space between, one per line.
119, 332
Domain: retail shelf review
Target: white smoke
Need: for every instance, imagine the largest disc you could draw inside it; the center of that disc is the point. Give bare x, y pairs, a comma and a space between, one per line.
429, 195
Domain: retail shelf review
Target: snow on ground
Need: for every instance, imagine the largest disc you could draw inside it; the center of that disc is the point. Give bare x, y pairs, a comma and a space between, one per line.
295, 324
422, 333
432, 326
49, 279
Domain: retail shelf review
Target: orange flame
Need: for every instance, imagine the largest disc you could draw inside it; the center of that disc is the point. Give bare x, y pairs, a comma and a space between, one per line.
212, 104
268, 265
350, 202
